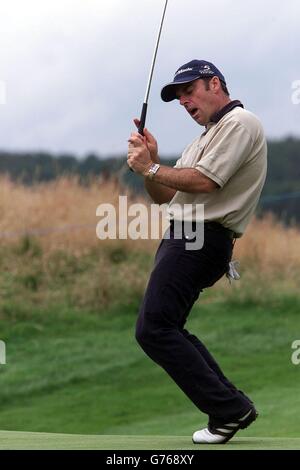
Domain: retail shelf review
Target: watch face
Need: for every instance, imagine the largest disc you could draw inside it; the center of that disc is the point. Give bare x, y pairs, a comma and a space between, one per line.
153, 169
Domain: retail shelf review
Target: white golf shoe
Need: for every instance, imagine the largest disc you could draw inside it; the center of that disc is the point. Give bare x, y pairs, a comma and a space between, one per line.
222, 433
204, 436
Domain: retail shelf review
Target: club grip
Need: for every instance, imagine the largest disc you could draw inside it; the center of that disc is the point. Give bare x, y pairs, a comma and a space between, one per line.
143, 119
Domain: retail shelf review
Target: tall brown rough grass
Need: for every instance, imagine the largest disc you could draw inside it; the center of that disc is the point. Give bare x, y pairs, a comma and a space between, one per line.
60, 217
61, 213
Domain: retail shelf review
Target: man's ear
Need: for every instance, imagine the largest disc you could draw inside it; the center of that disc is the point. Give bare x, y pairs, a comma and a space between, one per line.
215, 84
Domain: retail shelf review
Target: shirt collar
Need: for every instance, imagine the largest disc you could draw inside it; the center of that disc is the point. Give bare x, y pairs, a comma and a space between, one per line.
229, 107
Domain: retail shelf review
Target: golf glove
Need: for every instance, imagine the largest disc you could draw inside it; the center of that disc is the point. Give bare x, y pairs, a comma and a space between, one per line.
232, 273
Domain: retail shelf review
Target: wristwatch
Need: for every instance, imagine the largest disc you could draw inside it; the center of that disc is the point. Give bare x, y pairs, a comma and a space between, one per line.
153, 170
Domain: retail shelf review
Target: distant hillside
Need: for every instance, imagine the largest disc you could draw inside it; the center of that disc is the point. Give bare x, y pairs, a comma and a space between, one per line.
281, 194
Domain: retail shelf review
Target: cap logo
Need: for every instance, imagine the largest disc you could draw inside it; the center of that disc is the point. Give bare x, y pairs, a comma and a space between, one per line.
183, 70
207, 71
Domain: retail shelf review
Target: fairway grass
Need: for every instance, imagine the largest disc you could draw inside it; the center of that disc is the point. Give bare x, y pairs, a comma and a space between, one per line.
11, 440
83, 376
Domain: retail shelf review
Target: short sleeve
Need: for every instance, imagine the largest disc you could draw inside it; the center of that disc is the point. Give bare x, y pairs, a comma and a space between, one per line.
178, 164
181, 162
226, 152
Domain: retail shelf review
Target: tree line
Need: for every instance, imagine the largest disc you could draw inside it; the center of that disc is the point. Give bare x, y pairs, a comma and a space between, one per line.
281, 194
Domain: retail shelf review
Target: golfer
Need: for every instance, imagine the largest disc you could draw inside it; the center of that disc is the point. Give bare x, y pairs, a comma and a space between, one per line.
224, 169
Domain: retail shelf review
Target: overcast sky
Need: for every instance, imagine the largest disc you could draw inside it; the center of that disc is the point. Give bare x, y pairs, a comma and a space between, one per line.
75, 71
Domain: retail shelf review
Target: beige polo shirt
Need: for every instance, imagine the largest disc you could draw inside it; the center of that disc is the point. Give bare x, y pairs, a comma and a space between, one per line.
233, 153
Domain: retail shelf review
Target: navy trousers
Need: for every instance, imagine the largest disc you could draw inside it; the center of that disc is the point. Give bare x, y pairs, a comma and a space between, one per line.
178, 277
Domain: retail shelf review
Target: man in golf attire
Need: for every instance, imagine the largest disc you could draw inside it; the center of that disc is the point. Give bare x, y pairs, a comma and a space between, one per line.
224, 169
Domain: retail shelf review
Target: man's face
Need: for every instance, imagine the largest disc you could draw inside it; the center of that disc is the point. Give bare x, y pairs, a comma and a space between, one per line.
199, 102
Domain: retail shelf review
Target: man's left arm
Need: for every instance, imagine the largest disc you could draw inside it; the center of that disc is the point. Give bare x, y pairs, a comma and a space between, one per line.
187, 180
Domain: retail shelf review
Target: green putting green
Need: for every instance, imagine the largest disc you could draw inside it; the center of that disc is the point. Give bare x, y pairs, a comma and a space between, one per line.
45, 441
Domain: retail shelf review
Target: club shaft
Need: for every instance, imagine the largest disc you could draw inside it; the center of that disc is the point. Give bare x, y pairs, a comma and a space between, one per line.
155, 54
145, 104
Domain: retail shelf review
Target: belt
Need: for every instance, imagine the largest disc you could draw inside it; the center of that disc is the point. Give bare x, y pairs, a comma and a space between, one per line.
216, 226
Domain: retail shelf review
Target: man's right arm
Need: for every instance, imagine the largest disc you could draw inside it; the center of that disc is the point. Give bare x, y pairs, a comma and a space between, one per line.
160, 194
